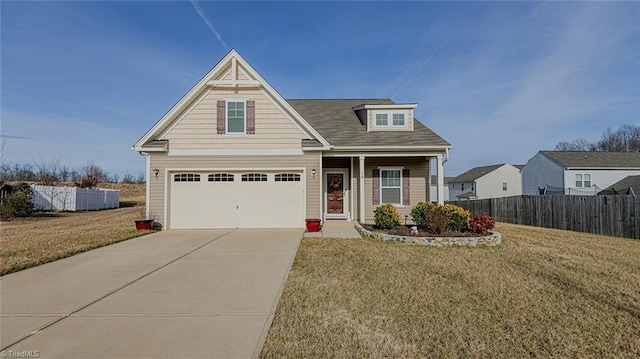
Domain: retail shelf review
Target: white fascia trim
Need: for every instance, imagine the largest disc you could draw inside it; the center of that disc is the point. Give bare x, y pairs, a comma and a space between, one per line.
382, 154
237, 152
602, 168
396, 106
316, 149
395, 148
149, 149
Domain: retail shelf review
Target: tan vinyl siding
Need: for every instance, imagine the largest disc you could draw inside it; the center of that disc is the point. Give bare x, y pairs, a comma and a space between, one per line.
207, 163
418, 185
197, 129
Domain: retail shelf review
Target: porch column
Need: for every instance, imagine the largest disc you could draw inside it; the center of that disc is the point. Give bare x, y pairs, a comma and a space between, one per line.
440, 170
361, 190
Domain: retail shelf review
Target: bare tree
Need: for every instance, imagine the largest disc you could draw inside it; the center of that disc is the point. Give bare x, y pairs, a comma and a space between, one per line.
625, 139
579, 144
47, 174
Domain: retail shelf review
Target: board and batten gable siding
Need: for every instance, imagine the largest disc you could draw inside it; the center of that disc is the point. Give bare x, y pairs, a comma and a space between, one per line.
490, 185
418, 183
540, 171
162, 161
197, 128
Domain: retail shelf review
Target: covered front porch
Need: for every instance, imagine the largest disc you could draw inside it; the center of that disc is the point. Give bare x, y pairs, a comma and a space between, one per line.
354, 184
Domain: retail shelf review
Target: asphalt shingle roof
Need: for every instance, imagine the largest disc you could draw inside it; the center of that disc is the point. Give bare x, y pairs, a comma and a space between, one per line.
475, 173
338, 123
595, 159
622, 186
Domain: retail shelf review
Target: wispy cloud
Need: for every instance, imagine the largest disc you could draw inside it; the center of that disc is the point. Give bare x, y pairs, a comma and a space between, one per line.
209, 24
12, 137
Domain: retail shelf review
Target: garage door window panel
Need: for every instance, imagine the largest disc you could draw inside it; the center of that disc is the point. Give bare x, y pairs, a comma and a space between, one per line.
254, 177
221, 177
186, 177
287, 177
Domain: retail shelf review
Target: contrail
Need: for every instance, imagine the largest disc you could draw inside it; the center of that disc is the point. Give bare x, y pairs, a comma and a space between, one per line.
208, 23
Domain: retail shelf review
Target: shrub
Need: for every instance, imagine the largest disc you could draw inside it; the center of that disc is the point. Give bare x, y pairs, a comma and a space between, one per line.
437, 220
458, 217
386, 216
19, 203
481, 224
419, 211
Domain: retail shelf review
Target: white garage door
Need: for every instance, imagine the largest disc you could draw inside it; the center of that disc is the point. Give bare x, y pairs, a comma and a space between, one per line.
248, 199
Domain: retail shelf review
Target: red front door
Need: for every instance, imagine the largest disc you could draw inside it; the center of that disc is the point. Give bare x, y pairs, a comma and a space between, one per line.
335, 193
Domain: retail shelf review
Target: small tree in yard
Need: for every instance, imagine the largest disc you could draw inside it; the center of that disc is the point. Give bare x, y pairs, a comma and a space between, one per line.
19, 203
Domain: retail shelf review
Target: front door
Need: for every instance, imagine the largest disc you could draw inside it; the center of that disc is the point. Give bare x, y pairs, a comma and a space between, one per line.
335, 193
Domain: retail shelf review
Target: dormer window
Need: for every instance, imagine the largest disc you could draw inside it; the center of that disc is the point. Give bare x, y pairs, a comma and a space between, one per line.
386, 117
398, 119
389, 119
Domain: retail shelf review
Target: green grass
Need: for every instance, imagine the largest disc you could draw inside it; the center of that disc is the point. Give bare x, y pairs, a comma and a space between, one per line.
542, 293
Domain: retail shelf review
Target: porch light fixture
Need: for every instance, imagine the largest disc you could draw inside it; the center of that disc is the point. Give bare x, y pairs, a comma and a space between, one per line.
313, 173
156, 172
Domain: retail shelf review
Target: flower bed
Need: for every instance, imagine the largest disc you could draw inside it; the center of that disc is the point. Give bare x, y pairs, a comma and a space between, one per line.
493, 239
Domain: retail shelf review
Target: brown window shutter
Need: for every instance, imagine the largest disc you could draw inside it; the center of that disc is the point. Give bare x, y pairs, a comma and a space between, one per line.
376, 186
406, 195
251, 117
221, 118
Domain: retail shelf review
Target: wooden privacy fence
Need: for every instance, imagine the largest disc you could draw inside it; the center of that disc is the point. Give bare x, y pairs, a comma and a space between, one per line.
51, 198
617, 216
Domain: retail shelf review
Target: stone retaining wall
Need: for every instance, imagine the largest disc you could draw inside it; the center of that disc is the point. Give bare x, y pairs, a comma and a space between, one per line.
494, 239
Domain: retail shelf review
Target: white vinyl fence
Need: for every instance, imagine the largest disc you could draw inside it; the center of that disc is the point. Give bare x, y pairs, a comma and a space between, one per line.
51, 198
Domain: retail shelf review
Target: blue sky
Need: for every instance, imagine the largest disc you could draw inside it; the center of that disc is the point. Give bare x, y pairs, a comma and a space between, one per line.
83, 81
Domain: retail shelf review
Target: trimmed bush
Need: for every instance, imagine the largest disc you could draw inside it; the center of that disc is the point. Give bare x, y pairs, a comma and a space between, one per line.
386, 216
419, 212
458, 217
481, 224
19, 203
437, 220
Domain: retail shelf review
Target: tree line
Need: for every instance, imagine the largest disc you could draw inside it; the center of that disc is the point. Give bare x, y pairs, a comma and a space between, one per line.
50, 172
624, 139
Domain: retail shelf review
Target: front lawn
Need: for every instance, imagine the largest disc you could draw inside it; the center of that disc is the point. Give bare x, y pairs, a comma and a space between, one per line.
49, 236
542, 293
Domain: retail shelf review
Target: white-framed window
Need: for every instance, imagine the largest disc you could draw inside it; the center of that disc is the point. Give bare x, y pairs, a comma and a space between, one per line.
398, 119
389, 119
583, 180
236, 116
473, 186
462, 186
504, 186
220, 177
254, 177
186, 177
391, 186
287, 177
382, 120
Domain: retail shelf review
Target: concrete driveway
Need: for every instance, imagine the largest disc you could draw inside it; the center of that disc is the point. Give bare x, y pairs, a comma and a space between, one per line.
171, 294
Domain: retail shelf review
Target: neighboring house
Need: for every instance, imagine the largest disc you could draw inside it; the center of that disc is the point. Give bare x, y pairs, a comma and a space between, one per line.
577, 172
493, 181
233, 153
629, 185
434, 188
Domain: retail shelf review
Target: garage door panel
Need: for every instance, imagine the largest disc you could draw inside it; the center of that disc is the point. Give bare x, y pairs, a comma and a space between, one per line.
258, 204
